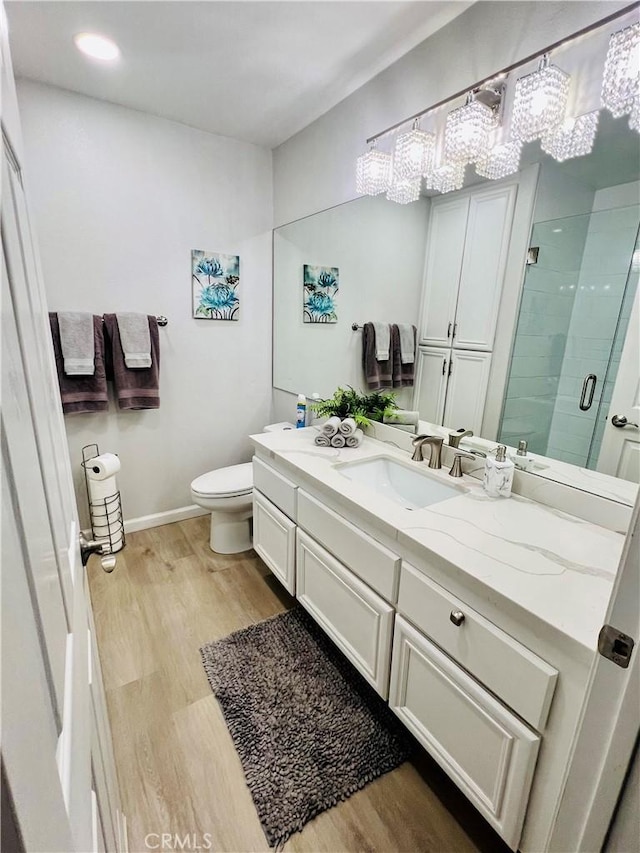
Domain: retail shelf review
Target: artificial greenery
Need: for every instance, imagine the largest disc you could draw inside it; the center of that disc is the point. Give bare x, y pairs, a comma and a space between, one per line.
363, 408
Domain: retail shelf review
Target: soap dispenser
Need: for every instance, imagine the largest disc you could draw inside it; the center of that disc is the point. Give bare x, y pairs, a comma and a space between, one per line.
522, 459
498, 474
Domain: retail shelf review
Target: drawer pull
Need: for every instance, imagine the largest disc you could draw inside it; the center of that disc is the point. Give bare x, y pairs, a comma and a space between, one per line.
457, 617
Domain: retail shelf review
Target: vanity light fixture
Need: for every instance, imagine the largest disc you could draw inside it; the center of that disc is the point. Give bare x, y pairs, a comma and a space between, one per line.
373, 172
573, 138
97, 47
413, 153
540, 101
499, 161
404, 190
446, 178
622, 72
467, 130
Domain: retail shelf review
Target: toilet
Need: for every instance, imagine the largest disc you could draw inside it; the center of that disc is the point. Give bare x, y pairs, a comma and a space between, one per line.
228, 494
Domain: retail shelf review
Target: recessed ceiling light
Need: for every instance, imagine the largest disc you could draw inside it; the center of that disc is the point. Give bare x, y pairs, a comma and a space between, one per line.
97, 47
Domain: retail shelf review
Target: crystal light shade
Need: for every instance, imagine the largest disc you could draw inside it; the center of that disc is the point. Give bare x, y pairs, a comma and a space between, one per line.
446, 178
539, 102
466, 133
634, 115
413, 153
622, 71
500, 161
373, 172
404, 190
573, 138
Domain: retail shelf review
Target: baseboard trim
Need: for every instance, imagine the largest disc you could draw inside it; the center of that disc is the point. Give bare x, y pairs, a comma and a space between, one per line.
144, 522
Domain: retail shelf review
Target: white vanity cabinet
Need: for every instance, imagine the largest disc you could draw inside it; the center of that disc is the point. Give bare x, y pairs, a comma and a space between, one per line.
465, 265
274, 539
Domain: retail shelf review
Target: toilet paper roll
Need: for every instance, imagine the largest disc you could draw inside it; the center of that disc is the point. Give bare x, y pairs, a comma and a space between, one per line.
106, 513
103, 466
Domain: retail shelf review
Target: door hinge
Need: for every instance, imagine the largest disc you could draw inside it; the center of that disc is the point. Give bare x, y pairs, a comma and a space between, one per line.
615, 645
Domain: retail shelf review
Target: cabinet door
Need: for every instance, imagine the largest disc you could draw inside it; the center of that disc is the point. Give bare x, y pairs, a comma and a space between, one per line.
485, 257
358, 621
487, 751
431, 383
445, 246
274, 539
467, 390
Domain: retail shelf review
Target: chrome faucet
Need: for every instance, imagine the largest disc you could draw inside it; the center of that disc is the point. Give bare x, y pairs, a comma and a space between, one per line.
455, 437
436, 442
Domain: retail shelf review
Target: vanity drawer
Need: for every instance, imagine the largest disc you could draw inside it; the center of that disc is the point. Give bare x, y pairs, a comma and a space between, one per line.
516, 675
358, 621
487, 751
274, 539
276, 487
372, 562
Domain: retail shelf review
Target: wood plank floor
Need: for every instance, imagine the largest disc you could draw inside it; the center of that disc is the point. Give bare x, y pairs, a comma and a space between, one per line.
177, 767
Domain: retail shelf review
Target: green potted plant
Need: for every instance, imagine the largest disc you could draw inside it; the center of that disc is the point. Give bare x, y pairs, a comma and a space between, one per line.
363, 408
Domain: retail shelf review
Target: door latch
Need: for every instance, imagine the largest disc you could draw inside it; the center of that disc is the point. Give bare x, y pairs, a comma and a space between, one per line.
615, 645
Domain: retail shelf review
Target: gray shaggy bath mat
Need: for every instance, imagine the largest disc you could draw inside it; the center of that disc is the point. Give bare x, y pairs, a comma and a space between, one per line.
308, 729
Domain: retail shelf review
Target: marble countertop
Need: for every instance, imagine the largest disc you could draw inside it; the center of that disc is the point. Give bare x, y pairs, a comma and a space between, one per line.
555, 566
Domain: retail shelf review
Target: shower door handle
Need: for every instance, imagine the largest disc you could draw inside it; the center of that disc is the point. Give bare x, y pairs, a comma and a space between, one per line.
588, 387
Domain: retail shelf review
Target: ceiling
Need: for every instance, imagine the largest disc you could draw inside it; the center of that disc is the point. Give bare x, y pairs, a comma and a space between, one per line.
256, 71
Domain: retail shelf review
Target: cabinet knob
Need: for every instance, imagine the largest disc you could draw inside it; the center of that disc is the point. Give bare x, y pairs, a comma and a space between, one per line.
457, 617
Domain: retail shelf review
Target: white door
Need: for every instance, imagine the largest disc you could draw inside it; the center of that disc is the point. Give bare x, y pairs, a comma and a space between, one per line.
445, 245
486, 245
620, 451
431, 383
63, 789
467, 390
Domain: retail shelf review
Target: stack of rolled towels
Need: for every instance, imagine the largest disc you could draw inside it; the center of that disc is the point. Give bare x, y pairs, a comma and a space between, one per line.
339, 433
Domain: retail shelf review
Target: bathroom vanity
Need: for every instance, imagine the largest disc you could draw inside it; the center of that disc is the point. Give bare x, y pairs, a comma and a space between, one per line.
475, 618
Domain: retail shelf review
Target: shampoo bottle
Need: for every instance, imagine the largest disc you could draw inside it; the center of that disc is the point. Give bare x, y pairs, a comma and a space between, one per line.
498, 474
301, 412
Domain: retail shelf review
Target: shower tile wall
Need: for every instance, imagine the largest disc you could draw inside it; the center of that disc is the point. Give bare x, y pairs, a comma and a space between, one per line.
599, 297
548, 296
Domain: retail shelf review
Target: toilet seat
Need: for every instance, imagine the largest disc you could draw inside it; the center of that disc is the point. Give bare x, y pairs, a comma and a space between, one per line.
234, 481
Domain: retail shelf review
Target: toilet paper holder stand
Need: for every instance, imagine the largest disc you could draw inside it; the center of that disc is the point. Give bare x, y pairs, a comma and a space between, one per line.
105, 515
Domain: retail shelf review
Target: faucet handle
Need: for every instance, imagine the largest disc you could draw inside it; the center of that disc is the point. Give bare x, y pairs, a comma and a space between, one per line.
456, 468
458, 435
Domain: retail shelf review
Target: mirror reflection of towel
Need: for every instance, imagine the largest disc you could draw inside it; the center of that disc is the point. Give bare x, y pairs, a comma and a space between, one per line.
385, 374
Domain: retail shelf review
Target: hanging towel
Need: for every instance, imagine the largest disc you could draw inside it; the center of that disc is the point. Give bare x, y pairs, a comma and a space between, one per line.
323, 440
407, 342
377, 374
331, 426
348, 427
383, 333
76, 342
135, 339
81, 394
402, 374
356, 439
139, 388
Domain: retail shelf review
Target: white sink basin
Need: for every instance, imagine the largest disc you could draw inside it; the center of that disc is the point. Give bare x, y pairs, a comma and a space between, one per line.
402, 482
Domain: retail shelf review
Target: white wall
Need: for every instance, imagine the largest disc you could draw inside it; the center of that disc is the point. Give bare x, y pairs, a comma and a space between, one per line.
315, 168
119, 198
379, 249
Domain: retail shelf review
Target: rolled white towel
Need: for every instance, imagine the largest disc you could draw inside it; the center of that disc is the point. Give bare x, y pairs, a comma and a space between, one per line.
331, 426
402, 416
348, 426
338, 440
356, 439
412, 428
322, 440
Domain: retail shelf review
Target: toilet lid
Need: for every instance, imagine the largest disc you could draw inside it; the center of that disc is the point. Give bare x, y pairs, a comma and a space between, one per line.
225, 482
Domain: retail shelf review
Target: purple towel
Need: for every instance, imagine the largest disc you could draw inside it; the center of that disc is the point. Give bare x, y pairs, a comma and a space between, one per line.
139, 388
81, 394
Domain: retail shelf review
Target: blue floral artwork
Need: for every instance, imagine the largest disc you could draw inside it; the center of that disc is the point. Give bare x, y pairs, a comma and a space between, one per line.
215, 279
320, 292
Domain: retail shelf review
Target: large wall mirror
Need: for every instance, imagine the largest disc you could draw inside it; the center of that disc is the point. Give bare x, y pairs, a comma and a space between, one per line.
549, 355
